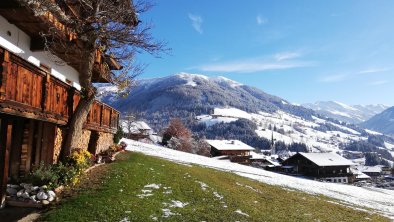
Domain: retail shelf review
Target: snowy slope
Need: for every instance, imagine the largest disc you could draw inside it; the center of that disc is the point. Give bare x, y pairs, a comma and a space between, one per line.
197, 98
184, 95
343, 112
289, 128
383, 122
379, 200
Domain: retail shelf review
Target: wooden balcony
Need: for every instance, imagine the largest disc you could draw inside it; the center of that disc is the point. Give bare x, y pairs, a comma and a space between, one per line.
28, 91
25, 19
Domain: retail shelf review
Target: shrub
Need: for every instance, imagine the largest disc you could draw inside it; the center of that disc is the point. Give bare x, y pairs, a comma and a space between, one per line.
80, 159
118, 135
52, 175
43, 175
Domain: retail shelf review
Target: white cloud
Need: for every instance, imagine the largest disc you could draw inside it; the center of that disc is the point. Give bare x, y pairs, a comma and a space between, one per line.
196, 22
378, 83
252, 65
374, 70
333, 78
286, 55
261, 20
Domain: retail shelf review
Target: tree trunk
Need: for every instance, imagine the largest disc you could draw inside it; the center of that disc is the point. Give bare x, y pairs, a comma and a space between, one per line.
81, 112
76, 124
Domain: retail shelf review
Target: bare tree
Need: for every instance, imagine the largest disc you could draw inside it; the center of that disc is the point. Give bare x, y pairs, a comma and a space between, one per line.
110, 27
176, 129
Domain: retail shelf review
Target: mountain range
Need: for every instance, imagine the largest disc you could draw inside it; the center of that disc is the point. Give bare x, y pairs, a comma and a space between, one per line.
383, 122
218, 107
354, 114
184, 95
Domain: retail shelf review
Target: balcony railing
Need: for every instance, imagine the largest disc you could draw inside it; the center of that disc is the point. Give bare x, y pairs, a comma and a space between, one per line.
28, 91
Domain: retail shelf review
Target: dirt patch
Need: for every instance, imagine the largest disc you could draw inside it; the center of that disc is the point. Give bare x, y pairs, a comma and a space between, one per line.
91, 180
11, 214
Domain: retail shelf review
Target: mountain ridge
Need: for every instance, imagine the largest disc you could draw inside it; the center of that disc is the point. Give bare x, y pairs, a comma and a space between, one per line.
196, 100
383, 122
354, 114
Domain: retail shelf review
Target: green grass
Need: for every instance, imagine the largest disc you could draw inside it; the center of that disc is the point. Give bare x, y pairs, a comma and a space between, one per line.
116, 198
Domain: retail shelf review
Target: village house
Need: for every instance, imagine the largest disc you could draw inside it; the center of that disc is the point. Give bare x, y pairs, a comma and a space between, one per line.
323, 166
38, 95
263, 161
236, 150
136, 130
372, 171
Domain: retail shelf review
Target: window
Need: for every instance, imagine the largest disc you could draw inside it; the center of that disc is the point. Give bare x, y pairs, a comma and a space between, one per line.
335, 180
339, 180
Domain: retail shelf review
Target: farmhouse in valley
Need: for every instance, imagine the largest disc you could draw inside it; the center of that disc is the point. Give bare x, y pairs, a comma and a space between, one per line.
136, 130
236, 150
38, 95
323, 166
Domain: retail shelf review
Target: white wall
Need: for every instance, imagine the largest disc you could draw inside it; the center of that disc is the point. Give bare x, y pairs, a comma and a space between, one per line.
19, 43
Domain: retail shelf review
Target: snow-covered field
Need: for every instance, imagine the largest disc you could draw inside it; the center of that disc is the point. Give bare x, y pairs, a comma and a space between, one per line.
379, 200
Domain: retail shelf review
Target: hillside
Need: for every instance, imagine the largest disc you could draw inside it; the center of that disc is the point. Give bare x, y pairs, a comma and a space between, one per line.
146, 188
184, 95
383, 122
372, 198
217, 107
347, 113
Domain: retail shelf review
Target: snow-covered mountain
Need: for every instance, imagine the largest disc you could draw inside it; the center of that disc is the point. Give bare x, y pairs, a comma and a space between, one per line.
347, 113
185, 94
217, 107
383, 122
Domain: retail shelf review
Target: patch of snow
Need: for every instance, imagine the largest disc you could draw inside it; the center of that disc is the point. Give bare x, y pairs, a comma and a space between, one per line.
231, 112
153, 217
167, 213
210, 121
389, 145
204, 186
345, 106
379, 200
336, 112
142, 196
230, 82
167, 192
372, 132
217, 195
176, 204
242, 213
126, 219
153, 185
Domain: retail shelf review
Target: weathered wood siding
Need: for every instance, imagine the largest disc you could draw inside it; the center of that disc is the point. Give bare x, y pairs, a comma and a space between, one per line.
31, 92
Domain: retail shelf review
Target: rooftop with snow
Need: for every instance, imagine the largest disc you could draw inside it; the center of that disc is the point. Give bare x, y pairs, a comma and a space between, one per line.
229, 145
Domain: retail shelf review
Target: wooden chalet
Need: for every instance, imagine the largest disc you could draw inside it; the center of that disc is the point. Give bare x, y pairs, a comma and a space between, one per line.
236, 150
136, 130
38, 96
323, 166
372, 171
263, 161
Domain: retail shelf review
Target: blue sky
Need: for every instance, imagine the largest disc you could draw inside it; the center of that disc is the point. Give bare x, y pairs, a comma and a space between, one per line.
302, 51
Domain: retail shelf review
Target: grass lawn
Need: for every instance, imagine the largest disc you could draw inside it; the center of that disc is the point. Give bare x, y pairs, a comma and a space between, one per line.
142, 188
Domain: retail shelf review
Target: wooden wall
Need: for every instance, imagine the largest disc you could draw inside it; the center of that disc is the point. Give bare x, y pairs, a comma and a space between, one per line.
28, 91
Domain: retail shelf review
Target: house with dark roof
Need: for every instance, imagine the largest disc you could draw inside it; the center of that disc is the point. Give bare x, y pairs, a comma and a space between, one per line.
322, 166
